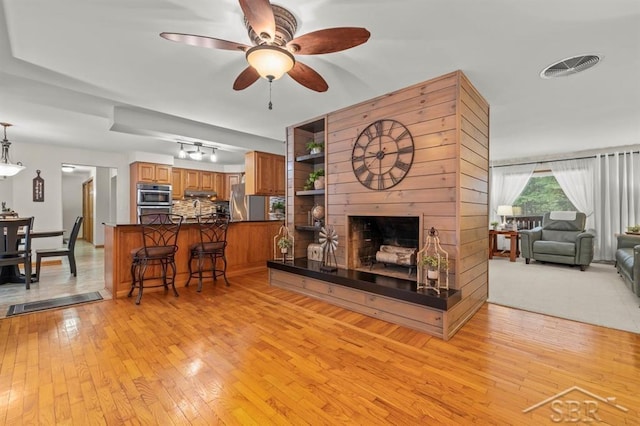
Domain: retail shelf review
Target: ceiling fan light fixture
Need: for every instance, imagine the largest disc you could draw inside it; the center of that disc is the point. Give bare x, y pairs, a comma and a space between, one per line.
271, 62
7, 168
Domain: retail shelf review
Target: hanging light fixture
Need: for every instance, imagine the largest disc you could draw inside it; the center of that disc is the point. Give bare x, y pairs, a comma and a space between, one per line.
182, 153
6, 167
214, 156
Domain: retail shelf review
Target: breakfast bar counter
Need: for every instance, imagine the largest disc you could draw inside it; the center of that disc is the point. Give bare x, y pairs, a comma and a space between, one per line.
249, 246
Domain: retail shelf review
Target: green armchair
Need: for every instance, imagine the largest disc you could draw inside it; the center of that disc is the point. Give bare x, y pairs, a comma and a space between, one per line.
560, 239
628, 260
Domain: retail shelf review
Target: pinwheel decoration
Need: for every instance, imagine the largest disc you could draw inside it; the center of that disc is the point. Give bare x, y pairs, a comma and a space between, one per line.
329, 243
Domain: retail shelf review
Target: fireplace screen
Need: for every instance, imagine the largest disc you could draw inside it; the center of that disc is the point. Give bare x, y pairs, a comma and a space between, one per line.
384, 244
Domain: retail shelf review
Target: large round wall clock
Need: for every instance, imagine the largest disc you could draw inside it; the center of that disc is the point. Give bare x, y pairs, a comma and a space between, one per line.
382, 154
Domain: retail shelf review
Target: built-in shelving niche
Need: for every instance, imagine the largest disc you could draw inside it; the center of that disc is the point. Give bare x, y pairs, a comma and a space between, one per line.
301, 164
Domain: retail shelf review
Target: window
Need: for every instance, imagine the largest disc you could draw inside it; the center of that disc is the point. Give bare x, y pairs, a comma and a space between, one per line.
542, 194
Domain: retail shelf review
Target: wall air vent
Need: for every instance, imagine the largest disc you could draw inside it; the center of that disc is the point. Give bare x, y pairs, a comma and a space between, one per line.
570, 66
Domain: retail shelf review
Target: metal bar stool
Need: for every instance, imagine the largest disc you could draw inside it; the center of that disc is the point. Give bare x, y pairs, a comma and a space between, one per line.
213, 241
159, 239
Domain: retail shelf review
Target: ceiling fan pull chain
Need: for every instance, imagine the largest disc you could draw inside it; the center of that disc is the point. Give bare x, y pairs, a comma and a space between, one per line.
270, 104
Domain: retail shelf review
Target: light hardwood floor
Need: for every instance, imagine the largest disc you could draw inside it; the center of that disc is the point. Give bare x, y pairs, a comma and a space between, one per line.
253, 354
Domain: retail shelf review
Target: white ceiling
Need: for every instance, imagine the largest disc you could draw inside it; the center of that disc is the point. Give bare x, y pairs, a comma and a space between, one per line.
96, 74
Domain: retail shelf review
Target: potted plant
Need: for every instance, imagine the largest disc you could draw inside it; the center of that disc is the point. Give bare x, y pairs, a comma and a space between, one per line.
315, 180
278, 207
314, 147
494, 225
284, 244
431, 262
635, 229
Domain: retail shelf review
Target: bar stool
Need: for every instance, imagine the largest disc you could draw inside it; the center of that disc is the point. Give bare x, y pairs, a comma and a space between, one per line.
213, 241
159, 239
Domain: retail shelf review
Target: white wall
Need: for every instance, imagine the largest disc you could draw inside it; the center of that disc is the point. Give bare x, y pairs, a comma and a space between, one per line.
48, 159
6, 192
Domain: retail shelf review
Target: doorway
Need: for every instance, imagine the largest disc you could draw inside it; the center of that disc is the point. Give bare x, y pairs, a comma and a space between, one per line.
87, 210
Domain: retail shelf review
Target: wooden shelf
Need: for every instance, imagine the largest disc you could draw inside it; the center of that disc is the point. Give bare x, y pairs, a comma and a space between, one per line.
311, 192
308, 228
311, 158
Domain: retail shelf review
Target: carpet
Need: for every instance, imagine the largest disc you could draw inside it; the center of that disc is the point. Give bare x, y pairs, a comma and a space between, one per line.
41, 305
596, 296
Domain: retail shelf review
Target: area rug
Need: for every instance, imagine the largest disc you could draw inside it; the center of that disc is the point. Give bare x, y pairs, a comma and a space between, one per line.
41, 305
596, 296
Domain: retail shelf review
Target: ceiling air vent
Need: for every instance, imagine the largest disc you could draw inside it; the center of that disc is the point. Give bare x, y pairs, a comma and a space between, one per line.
570, 66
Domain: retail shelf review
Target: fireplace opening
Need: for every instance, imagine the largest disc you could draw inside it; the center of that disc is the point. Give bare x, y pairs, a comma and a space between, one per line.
385, 245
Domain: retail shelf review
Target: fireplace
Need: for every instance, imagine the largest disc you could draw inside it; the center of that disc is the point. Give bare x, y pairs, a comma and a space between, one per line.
384, 245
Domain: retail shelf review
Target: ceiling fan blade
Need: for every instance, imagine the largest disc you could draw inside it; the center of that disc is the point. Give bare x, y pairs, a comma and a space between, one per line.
328, 40
259, 13
308, 77
202, 41
246, 78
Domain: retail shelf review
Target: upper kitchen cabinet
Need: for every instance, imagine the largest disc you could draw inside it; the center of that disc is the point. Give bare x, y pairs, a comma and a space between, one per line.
207, 181
264, 173
191, 179
150, 172
177, 189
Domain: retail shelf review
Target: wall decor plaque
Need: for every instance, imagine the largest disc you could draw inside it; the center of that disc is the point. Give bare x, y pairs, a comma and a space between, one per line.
38, 188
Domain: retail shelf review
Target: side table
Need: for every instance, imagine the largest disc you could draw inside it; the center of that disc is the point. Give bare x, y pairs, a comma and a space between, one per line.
513, 251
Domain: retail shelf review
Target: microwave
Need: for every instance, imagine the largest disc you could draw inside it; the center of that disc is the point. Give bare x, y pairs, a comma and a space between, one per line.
153, 195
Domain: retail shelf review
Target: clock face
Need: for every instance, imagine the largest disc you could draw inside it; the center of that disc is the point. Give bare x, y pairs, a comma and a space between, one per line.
382, 154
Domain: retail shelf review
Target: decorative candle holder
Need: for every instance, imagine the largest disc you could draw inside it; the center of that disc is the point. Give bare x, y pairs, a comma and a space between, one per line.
433, 264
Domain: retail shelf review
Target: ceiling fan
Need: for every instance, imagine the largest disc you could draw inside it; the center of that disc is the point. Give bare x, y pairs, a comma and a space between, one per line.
271, 30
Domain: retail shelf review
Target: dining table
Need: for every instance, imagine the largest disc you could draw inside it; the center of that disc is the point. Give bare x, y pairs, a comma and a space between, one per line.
11, 273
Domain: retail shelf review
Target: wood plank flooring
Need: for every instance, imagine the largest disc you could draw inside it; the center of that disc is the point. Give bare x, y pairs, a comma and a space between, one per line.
253, 354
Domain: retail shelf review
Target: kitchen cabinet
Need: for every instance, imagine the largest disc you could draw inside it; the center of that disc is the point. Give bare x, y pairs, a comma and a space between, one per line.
191, 179
264, 173
219, 185
200, 180
177, 190
150, 172
207, 181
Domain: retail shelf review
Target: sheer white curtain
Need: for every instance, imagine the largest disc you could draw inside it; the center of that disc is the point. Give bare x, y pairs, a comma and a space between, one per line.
577, 180
617, 203
507, 182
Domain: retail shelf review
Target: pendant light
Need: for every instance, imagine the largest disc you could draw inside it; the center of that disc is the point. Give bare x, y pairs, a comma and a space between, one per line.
214, 156
6, 167
182, 153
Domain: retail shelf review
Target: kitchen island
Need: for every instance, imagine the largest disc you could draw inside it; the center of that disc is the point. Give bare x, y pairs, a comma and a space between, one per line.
249, 246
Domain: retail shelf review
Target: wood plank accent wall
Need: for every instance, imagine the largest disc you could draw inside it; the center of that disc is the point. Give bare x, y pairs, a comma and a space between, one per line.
446, 187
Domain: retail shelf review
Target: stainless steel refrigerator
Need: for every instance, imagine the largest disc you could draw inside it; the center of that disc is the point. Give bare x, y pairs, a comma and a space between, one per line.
246, 207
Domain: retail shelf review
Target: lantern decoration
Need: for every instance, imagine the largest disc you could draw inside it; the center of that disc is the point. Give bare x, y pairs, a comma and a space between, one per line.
283, 245
433, 264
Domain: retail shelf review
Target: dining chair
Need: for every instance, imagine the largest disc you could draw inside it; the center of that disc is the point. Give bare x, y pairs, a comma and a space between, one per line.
68, 251
211, 248
160, 243
15, 249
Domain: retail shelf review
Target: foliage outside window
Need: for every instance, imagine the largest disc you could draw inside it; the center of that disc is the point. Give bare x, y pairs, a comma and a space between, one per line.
541, 195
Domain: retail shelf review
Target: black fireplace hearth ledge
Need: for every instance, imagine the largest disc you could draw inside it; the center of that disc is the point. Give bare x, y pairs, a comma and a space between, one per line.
383, 285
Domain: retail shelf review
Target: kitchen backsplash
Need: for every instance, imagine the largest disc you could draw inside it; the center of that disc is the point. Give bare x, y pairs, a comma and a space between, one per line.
190, 208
